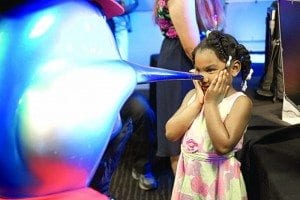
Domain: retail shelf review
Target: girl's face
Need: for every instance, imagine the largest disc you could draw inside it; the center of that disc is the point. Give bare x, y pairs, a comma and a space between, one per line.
209, 66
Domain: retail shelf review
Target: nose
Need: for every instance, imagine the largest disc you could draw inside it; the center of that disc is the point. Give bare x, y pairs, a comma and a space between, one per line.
204, 77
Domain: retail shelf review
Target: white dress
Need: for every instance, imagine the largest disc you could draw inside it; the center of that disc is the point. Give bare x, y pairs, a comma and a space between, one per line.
201, 173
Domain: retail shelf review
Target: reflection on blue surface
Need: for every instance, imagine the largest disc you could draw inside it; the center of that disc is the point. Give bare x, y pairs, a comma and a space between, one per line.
42, 25
62, 84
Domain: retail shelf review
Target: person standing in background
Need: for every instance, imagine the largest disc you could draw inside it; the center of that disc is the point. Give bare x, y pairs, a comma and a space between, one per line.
121, 26
181, 23
137, 106
137, 110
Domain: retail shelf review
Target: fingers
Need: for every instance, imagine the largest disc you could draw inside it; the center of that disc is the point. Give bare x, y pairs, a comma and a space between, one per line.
224, 80
217, 82
220, 84
196, 84
198, 88
214, 82
218, 88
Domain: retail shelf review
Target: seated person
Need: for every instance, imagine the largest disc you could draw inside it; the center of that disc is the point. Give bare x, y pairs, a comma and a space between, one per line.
138, 118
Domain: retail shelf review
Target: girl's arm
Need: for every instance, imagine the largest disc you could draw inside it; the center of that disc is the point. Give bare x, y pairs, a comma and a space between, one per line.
179, 123
225, 136
183, 16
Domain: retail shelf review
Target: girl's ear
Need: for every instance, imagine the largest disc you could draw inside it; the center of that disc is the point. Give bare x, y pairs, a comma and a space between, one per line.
235, 68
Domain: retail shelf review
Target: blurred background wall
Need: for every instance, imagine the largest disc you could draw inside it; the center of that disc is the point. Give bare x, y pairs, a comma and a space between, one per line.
245, 19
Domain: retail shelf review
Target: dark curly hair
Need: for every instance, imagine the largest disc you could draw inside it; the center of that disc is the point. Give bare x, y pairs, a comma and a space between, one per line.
224, 46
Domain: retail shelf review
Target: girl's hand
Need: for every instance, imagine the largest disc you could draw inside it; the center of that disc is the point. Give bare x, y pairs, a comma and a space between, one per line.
218, 88
199, 92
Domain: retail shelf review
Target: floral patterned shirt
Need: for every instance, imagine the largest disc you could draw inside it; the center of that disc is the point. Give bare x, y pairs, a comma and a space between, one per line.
212, 17
164, 21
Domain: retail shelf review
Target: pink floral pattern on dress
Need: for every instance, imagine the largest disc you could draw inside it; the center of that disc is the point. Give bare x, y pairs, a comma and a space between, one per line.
191, 146
162, 3
164, 21
199, 186
185, 197
192, 168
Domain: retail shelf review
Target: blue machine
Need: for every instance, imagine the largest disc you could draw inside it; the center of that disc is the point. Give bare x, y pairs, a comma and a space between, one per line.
62, 84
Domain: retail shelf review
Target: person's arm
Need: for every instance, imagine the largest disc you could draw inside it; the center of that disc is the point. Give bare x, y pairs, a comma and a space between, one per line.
117, 127
225, 135
180, 122
129, 7
183, 16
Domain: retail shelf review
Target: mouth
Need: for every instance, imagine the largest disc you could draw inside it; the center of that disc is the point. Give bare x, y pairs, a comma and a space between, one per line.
204, 88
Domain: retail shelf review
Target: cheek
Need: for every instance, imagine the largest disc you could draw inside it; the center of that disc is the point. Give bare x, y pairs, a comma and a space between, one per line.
211, 77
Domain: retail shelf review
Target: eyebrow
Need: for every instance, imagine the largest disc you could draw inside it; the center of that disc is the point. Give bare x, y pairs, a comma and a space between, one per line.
208, 66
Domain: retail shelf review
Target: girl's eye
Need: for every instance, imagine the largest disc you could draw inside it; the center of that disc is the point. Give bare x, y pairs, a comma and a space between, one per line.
210, 71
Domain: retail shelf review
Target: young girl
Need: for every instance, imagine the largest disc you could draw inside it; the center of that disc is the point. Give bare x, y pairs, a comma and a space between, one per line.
212, 120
